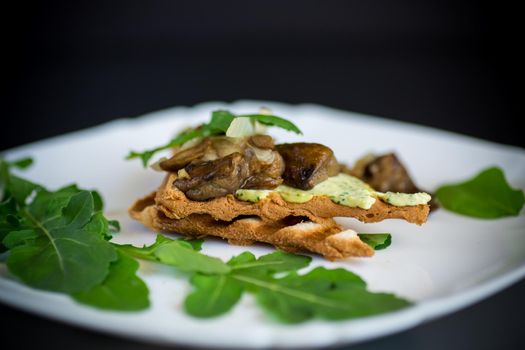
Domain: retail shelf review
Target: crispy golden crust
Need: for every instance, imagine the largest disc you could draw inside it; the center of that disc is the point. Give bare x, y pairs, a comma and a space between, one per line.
289, 226
290, 233
176, 205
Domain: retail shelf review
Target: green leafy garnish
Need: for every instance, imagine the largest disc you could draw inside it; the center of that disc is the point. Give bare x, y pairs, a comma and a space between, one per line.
179, 140
218, 125
272, 120
114, 226
121, 289
212, 295
220, 121
377, 241
60, 241
487, 195
268, 264
22, 163
323, 293
178, 253
56, 250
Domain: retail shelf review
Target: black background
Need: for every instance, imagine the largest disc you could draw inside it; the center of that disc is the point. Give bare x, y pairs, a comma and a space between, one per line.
450, 64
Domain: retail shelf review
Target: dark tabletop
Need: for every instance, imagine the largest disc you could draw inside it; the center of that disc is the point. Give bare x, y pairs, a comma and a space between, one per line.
448, 64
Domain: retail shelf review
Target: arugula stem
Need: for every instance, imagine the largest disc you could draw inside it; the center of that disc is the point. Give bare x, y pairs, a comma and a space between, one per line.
256, 264
288, 291
135, 252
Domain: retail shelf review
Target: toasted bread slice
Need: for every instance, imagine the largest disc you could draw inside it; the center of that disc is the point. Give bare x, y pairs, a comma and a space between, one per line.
176, 205
289, 226
293, 233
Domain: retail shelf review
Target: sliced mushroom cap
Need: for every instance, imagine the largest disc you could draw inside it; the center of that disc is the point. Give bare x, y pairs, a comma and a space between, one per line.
214, 178
186, 156
221, 165
265, 175
307, 164
385, 173
261, 141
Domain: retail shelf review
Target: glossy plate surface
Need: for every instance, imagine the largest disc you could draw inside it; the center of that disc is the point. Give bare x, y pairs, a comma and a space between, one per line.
449, 263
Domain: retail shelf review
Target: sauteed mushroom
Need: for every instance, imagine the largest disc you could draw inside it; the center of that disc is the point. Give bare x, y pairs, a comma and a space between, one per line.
307, 164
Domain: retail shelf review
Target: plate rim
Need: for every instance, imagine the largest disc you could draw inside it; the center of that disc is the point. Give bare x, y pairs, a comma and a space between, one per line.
421, 312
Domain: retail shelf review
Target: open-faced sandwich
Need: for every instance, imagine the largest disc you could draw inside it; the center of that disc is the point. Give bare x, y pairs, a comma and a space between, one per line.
229, 179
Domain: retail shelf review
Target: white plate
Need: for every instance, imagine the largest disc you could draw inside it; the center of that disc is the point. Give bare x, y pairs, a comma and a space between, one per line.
449, 263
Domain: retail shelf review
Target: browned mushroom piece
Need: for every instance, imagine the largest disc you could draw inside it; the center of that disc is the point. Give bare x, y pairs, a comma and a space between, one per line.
264, 174
261, 141
214, 178
184, 157
384, 173
307, 164
219, 166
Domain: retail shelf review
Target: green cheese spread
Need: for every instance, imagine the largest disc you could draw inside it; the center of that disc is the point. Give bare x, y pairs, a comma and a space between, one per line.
341, 189
404, 199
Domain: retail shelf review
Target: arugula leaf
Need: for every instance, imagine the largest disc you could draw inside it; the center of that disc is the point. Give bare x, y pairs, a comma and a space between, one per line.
20, 188
328, 294
212, 295
16, 238
22, 163
178, 253
4, 178
221, 120
323, 293
57, 241
179, 140
114, 226
147, 251
270, 263
219, 123
50, 204
8, 220
377, 241
12, 185
187, 259
487, 195
121, 289
61, 254
273, 120
196, 244
217, 294
98, 202
99, 225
